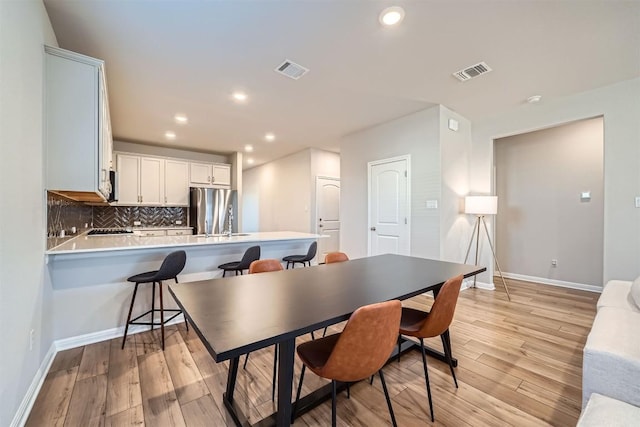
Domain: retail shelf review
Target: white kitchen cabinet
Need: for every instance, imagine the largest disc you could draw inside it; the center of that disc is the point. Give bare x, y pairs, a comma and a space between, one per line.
128, 167
209, 174
77, 129
188, 232
152, 181
176, 183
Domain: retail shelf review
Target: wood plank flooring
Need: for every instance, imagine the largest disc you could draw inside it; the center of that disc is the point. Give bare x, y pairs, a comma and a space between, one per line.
520, 364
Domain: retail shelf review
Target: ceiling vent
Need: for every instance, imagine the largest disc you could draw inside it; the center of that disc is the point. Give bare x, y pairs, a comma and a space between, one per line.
472, 72
291, 69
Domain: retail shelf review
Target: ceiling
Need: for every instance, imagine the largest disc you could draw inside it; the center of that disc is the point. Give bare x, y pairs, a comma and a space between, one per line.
168, 57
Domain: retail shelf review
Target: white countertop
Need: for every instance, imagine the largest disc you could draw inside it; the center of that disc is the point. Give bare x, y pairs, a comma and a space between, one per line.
104, 243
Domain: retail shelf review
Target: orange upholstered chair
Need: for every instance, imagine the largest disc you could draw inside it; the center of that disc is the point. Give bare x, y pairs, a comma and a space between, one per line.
265, 266
332, 257
359, 351
421, 324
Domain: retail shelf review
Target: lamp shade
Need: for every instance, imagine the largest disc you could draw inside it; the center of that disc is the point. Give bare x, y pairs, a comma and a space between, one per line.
481, 205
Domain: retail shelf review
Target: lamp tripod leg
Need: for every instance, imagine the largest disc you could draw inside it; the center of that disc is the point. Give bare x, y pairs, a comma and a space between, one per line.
477, 245
496, 259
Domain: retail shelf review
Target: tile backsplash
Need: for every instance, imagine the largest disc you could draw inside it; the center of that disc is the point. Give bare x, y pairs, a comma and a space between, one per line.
65, 214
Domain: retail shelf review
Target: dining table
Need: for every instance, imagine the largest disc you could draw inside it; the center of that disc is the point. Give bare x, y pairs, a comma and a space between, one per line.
239, 314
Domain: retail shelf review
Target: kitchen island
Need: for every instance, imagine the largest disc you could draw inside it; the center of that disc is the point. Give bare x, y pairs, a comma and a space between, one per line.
88, 274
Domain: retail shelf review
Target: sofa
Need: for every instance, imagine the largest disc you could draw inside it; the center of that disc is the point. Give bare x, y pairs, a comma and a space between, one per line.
611, 356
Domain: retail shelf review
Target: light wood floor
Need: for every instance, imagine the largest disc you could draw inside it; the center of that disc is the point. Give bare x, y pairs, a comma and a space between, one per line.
520, 364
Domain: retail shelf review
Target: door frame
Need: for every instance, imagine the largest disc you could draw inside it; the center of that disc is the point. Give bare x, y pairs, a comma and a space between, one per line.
407, 158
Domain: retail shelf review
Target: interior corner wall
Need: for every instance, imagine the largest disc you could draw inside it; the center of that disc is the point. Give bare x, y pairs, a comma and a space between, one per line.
542, 216
276, 195
25, 291
619, 104
416, 134
455, 151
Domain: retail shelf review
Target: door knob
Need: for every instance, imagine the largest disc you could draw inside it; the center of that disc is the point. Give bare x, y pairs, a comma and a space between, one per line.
373, 229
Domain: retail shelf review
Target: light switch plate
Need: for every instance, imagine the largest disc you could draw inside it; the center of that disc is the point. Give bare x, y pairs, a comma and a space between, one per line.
453, 125
637, 202
432, 204
178, 222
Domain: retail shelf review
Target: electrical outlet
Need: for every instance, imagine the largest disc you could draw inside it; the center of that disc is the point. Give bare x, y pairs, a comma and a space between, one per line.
178, 222
137, 223
554, 262
32, 336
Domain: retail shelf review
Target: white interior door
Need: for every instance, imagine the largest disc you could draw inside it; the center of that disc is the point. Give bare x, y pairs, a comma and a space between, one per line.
389, 207
327, 215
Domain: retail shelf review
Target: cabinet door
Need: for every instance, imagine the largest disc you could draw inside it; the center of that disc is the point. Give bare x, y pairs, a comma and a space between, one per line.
128, 172
151, 180
222, 174
200, 174
176, 183
105, 139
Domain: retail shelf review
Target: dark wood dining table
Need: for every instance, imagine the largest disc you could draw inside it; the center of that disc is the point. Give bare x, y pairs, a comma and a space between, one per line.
239, 314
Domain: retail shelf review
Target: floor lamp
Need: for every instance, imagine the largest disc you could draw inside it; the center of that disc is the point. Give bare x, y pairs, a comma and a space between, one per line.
480, 206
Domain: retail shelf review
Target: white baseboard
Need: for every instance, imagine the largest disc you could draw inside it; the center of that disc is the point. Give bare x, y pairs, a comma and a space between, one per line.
468, 283
553, 282
21, 415
20, 418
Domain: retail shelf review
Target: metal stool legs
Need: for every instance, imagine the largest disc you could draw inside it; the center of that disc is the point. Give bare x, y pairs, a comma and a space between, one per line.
126, 328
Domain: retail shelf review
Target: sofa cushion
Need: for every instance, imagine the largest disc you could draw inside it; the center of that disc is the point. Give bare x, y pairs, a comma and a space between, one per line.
605, 411
634, 292
616, 294
611, 362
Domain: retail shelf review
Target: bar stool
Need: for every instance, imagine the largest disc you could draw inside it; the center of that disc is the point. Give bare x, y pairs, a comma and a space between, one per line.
250, 255
302, 259
172, 265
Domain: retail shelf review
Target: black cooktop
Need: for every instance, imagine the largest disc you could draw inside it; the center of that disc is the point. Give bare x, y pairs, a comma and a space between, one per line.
108, 231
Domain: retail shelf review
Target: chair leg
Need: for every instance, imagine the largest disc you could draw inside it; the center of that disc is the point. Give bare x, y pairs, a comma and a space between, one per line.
295, 404
126, 328
324, 333
348, 390
447, 352
153, 305
333, 403
275, 371
246, 358
426, 377
386, 395
313, 337
224, 273
399, 341
371, 379
161, 314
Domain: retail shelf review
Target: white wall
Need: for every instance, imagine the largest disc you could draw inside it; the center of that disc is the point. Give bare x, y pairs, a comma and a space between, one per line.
620, 106
276, 195
25, 292
416, 134
455, 150
541, 215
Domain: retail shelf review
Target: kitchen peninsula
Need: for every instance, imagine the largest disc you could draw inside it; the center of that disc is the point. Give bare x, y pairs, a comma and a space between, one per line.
88, 273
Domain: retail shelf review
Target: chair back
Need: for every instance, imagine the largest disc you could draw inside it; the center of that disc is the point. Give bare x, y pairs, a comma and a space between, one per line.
441, 314
365, 343
172, 265
313, 248
332, 257
250, 255
264, 266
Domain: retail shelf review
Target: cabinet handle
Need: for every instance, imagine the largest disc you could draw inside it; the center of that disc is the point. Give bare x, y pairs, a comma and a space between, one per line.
208, 179
213, 179
165, 199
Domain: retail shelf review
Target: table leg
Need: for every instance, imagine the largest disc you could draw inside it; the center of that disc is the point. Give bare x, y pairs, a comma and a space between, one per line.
231, 378
285, 380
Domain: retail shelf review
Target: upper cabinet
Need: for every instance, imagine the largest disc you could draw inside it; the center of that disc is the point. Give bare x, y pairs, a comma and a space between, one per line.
209, 175
78, 140
152, 181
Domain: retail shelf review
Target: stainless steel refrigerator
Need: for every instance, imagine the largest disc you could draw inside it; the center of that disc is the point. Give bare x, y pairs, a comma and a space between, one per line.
209, 210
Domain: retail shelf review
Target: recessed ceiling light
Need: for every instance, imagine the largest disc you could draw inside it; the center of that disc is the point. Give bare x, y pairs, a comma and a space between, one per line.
249, 160
170, 135
533, 99
270, 137
239, 96
248, 148
181, 119
391, 16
